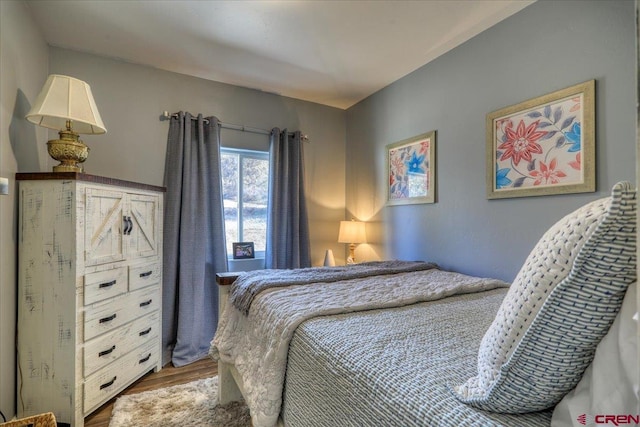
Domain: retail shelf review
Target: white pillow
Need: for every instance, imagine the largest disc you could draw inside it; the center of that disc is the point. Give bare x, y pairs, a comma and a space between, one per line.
609, 386
560, 305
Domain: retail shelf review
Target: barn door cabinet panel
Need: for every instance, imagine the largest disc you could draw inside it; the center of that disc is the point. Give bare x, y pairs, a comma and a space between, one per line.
89, 290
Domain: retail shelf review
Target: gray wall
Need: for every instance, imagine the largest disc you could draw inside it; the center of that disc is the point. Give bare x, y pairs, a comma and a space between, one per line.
131, 98
545, 47
23, 60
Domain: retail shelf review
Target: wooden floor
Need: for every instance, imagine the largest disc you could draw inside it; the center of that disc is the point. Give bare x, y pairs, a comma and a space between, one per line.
168, 376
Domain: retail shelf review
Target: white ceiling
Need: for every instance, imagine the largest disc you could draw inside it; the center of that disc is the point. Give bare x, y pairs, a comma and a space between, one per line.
330, 52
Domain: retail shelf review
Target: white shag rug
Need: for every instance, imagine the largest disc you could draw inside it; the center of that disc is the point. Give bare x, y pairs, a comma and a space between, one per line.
194, 404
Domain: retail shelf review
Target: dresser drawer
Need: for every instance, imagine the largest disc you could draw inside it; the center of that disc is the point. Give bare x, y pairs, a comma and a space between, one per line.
108, 381
115, 312
103, 350
144, 275
104, 284
145, 301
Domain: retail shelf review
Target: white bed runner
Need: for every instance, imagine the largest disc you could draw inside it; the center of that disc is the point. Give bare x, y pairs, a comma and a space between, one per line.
257, 344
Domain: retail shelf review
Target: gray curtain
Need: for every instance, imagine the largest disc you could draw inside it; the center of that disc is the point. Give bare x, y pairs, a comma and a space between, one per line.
194, 238
287, 224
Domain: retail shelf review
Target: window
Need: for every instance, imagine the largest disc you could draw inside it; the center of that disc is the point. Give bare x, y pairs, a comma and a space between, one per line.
245, 187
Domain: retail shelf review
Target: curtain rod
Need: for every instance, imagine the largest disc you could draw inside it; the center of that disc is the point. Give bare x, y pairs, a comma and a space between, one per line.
166, 116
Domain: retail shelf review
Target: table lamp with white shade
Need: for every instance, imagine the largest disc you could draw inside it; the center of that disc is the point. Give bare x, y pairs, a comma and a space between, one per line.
352, 232
67, 105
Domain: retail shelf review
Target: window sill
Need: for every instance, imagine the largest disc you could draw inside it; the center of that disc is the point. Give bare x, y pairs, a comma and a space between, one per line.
246, 264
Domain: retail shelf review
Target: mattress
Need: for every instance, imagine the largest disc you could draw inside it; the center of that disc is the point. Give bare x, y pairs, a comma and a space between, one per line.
393, 367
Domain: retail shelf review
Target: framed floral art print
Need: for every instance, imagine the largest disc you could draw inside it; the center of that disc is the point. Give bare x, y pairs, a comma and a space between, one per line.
543, 146
411, 170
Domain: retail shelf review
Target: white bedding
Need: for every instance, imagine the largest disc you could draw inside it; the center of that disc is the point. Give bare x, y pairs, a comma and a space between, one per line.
257, 344
609, 386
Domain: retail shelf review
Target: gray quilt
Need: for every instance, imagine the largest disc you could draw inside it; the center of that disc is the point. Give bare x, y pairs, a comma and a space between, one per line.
251, 283
393, 367
257, 344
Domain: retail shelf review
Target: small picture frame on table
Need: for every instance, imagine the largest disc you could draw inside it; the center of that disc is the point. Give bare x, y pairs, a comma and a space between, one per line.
243, 250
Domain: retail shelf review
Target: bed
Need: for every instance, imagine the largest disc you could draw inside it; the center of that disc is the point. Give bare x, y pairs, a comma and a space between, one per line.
407, 344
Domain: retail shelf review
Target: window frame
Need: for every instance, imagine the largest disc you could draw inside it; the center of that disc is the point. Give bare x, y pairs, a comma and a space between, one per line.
244, 154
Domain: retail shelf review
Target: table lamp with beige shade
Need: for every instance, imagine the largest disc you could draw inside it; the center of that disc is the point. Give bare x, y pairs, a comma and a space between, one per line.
352, 232
67, 105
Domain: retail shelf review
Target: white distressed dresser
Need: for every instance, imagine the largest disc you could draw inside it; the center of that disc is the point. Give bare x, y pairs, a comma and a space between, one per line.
89, 290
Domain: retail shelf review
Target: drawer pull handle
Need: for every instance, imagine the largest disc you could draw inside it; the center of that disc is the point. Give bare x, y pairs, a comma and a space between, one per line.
146, 274
105, 352
144, 359
143, 333
109, 384
108, 319
146, 303
106, 284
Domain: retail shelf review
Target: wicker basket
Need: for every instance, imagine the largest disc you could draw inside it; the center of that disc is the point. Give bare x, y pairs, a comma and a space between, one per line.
42, 420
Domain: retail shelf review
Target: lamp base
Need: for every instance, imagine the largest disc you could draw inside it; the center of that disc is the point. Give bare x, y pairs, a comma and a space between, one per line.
68, 168
352, 254
69, 151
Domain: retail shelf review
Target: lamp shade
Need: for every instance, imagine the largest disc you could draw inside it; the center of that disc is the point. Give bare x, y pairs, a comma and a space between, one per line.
352, 232
66, 98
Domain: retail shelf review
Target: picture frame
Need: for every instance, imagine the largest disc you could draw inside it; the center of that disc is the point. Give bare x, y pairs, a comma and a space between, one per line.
243, 250
411, 170
543, 146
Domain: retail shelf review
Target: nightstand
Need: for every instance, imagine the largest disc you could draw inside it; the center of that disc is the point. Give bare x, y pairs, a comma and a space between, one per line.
224, 281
